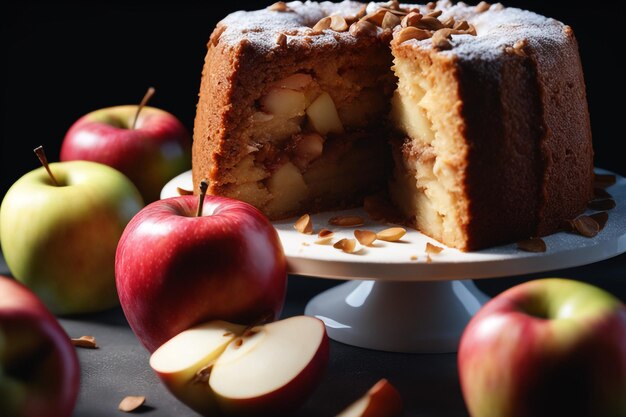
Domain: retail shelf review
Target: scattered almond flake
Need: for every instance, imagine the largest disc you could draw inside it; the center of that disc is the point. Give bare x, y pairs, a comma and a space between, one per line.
428, 259
279, 6
376, 17
324, 241
363, 28
604, 180
182, 191
394, 5
390, 21
215, 36
435, 14
411, 19
358, 15
87, 342
281, 40
441, 39
430, 23
533, 244
462, 25
346, 221
392, 234
338, 23
601, 218
519, 48
365, 237
601, 193
413, 258
399, 12
433, 249
325, 233
131, 403
323, 24
346, 245
586, 226
601, 204
411, 32
304, 225
567, 30
449, 22
521, 44
483, 6
228, 334
237, 343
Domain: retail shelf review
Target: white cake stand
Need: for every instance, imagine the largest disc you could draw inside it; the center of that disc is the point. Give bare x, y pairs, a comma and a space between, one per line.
397, 300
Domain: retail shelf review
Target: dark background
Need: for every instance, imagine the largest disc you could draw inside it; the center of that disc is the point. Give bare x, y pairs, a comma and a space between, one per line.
64, 60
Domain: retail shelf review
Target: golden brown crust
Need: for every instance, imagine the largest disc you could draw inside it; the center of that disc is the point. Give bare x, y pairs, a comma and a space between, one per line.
503, 131
525, 162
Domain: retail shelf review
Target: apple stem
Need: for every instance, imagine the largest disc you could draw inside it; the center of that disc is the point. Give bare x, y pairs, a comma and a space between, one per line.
146, 98
204, 186
44, 161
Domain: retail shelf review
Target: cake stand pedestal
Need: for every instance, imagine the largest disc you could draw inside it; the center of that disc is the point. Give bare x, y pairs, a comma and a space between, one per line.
399, 299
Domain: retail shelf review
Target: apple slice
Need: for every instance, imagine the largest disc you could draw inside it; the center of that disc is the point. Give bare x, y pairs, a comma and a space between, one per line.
382, 400
183, 363
284, 102
271, 369
323, 115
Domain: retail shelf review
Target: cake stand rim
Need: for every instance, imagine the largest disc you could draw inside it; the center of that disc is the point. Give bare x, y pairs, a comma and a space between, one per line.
354, 267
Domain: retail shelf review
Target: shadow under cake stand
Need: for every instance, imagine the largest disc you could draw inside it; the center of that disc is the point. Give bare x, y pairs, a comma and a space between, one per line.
397, 299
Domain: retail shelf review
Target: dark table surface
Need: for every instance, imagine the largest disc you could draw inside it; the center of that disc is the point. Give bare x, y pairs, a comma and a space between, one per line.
428, 382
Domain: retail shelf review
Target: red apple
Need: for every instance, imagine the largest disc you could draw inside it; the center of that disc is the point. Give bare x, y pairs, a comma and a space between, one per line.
175, 269
39, 371
382, 400
550, 347
264, 370
150, 152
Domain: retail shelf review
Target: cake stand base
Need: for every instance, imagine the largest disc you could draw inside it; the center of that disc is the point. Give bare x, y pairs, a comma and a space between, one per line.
412, 317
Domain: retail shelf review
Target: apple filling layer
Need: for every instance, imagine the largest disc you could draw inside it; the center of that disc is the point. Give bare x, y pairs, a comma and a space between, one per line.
428, 161
314, 141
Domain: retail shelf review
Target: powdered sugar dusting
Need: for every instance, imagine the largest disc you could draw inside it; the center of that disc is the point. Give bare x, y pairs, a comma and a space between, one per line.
497, 28
262, 27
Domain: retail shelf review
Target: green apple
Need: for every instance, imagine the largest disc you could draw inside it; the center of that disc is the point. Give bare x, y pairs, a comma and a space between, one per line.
60, 240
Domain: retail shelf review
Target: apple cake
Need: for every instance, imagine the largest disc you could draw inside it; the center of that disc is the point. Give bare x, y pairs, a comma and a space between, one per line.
472, 119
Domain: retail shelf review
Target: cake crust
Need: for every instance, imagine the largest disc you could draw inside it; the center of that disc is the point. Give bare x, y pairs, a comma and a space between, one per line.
517, 107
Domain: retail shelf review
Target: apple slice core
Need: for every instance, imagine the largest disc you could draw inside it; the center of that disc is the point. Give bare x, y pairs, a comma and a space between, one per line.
276, 356
194, 348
